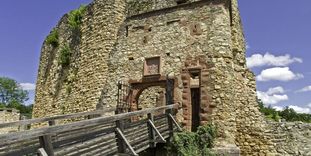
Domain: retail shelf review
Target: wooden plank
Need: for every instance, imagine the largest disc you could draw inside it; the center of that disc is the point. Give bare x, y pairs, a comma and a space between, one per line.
142, 146
85, 133
85, 147
102, 150
134, 124
19, 144
57, 117
105, 145
80, 124
133, 134
126, 142
21, 151
72, 142
108, 151
139, 139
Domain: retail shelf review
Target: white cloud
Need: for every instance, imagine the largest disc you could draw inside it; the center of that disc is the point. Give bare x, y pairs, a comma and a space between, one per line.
305, 89
309, 105
247, 46
258, 60
278, 108
278, 73
300, 109
272, 96
28, 86
275, 90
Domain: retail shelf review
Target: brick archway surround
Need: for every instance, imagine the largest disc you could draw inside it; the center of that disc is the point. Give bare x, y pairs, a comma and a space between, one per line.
138, 86
196, 64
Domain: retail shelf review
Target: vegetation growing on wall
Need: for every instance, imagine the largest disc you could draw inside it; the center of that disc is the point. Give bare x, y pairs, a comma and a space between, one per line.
288, 114
75, 17
52, 38
64, 58
194, 143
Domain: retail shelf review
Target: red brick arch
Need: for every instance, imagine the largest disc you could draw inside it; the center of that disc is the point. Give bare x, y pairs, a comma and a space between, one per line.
138, 86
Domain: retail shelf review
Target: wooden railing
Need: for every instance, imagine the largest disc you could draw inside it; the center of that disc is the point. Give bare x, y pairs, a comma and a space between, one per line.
103, 135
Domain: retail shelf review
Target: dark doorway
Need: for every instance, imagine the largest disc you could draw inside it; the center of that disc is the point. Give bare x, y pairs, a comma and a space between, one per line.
195, 104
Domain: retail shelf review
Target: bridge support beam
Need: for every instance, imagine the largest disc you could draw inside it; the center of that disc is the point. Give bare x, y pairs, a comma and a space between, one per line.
121, 136
162, 140
170, 116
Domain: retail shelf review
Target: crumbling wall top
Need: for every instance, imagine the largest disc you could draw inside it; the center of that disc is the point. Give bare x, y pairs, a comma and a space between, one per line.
135, 7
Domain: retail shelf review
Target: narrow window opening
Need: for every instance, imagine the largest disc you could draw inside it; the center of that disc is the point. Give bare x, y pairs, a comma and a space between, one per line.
127, 31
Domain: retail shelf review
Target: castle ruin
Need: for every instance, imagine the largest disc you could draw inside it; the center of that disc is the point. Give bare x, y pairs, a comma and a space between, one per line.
198, 44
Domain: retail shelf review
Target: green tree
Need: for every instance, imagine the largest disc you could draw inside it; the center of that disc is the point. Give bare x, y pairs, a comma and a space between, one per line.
11, 92
288, 114
13, 96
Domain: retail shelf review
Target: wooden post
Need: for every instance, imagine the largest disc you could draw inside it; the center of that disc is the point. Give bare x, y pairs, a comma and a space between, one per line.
52, 123
151, 132
120, 142
46, 144
46, 141
170, 122
169, 101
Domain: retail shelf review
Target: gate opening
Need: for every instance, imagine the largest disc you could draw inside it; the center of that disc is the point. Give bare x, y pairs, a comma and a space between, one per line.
195, 99
195, 103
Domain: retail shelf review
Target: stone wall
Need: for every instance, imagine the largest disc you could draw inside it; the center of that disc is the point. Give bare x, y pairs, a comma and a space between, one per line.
78, 87
290, 138
9, 115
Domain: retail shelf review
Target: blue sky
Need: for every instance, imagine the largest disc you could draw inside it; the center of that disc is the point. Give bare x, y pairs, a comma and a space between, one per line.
278, 36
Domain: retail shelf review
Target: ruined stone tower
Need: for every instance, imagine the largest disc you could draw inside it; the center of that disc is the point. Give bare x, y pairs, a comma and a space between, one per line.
197, 43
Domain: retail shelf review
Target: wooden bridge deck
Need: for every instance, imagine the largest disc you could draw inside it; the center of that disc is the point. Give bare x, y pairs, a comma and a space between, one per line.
97, 135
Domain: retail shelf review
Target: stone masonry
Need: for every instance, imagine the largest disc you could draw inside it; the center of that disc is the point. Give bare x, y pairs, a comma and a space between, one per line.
292, 138
9, 115
200, 44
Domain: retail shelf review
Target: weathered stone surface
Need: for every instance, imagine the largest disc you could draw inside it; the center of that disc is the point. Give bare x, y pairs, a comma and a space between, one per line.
9, 115
290, 138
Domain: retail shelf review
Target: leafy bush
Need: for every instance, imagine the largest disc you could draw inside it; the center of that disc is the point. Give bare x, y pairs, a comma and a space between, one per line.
75, 17
52, 38
194, 143
64, 58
